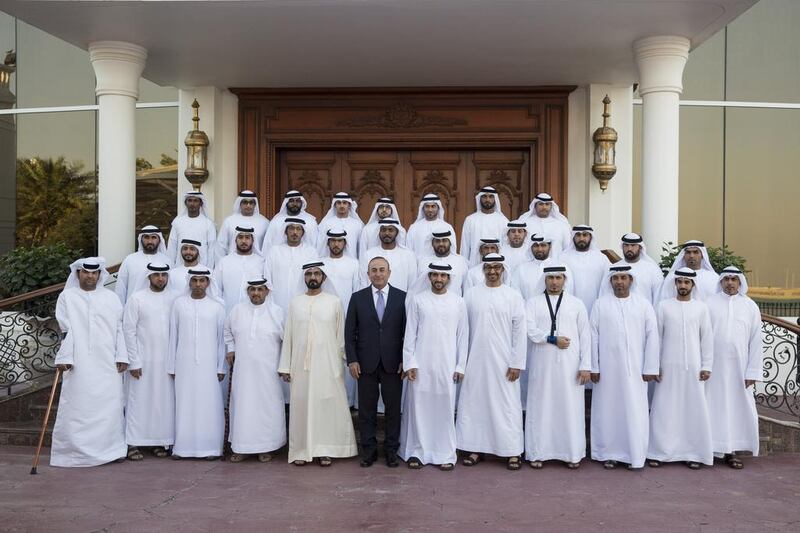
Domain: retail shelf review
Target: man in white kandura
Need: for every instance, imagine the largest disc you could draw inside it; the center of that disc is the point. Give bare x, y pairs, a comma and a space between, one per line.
738, 346
311, 360
343, 216
515, 245
90, 424
643, 267
525, 276
680, 428
234, 269
588, 264
440, 249
624, 358
559, 368
434, 354
193, 223
189, 258
402, 261
343, 272
197, 363
282, 261
253, 333
150, 407
294, 206
694, 256
384, 208
246, 214
489, 412
429, 216
544, 216
487, 221
133, 270
475, 275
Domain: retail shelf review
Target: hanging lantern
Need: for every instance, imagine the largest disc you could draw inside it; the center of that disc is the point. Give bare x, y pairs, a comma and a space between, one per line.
196, 152
605, 141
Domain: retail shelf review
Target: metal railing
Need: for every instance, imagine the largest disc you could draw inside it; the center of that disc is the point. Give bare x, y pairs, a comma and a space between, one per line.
780, 389
30, 336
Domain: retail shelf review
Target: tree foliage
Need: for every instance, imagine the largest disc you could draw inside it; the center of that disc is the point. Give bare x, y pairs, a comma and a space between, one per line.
26, 269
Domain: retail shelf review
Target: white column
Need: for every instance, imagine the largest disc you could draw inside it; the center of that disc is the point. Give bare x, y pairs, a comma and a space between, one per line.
661, 61
117, 67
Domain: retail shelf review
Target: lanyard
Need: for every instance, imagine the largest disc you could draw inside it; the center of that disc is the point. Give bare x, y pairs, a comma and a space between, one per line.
553, 314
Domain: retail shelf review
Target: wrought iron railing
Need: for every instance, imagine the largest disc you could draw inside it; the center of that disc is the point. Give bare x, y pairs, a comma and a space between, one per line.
780, 388
30, 336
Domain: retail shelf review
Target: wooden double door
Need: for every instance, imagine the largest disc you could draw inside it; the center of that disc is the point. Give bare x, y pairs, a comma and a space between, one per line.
406, 176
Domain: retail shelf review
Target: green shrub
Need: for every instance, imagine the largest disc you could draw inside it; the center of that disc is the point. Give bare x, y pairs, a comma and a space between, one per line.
720, 257
26, 269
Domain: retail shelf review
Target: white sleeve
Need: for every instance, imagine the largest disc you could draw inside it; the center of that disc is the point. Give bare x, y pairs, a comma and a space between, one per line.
594, 322
410, 338
652, 342
462, 338
755, 348
130, 321
519, 340
535, 334
585, 340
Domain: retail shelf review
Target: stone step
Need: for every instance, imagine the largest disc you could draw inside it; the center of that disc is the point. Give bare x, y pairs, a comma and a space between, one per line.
24, 433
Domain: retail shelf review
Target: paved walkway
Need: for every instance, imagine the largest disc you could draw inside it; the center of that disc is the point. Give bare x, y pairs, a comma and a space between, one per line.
191, 496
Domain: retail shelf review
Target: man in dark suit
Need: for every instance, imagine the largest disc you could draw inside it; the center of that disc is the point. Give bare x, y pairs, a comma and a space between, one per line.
373, 333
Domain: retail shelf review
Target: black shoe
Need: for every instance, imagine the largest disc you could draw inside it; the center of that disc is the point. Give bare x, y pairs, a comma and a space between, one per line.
391, 460
366, 462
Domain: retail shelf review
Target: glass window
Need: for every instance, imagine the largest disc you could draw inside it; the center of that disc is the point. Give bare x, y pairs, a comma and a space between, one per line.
704, 75
150, 92
156, 167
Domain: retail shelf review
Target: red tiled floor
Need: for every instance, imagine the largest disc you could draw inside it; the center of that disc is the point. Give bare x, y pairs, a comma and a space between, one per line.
191, 496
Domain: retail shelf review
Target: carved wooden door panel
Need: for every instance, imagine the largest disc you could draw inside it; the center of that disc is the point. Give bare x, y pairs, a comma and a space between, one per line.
408, 175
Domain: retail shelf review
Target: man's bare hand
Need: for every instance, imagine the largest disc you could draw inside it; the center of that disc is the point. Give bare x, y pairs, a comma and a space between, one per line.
411, 374
171, 375
229, 357
285, 377
562, 342
458, 377
355, 370
749, 383
584, 376
64, 368
512, 374
136, 373
650, 377
704, 375
595, 377
400, 370
220, 377
122, 367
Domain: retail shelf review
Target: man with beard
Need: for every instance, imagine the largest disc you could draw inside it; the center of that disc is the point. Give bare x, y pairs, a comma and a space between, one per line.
402, 261
434, 354
736, 321
442, 248
559, 368
233, 270
311, 360
384, 208
343, 271
646, 271
245, 214
588, 264
253, 333
693, 255
429, 216
475, 275
197, 364
343, 215
194, 224
680, 427
190, 257
525, 277
544, 216
90, 424
514, 248
150, 408
624, 358
488, 220
283, 261
489, 411
133, 269
294, 206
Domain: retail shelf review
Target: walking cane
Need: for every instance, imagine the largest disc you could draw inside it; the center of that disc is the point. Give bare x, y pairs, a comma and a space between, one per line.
225, 443
46, 418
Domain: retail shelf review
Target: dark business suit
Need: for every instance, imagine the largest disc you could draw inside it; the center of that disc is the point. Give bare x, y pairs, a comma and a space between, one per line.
377, 346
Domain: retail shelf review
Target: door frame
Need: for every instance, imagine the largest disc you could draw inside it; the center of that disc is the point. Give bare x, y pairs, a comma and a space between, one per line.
530, 118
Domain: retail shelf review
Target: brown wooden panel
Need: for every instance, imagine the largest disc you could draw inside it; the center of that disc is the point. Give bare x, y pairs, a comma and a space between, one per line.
509, 173
368, 175
315, 174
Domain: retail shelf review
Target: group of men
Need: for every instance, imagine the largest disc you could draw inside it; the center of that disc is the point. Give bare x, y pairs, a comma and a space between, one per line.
486, 351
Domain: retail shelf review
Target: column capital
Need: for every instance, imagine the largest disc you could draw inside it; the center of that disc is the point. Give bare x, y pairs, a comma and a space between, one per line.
117, 67
661, 60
